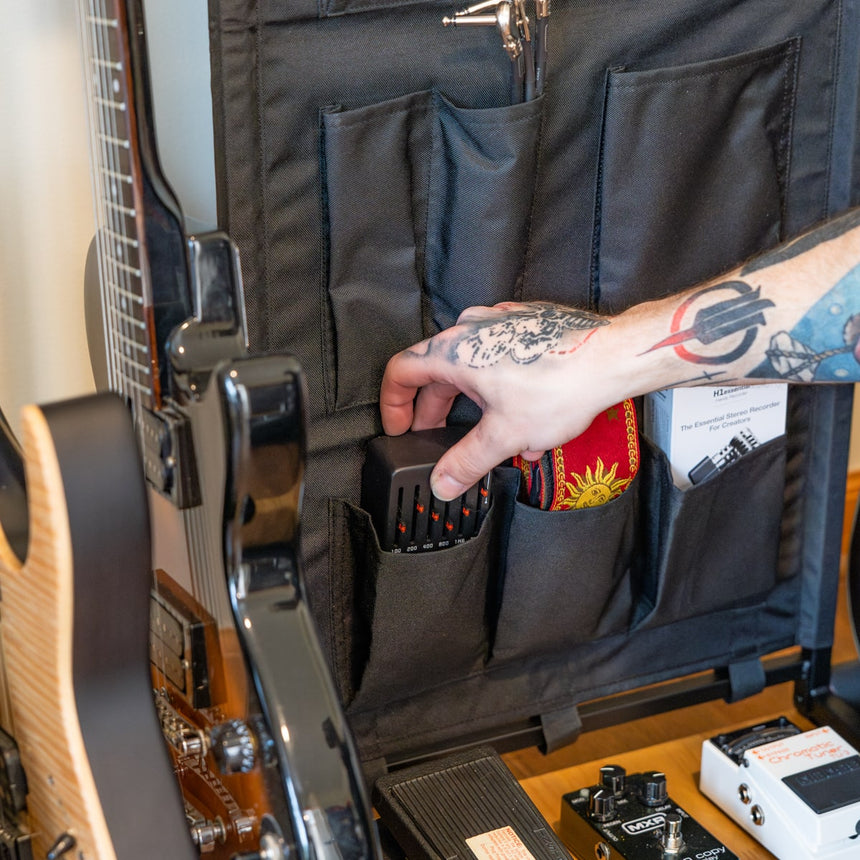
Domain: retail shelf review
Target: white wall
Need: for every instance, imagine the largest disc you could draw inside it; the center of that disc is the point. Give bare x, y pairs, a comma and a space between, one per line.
46, 212
46, 215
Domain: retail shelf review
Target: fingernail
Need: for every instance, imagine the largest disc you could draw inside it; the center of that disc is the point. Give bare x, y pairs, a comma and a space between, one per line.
446, 488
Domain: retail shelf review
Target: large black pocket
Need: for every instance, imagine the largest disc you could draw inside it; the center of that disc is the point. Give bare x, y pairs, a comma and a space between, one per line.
567, 577
693, 171
715, 545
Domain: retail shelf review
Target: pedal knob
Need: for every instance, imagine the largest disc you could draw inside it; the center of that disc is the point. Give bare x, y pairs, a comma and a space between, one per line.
234, 747
654, 790
613, 777
601, 804
672, 840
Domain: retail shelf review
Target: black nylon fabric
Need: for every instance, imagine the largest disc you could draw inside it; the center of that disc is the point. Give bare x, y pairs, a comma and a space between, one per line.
378, 180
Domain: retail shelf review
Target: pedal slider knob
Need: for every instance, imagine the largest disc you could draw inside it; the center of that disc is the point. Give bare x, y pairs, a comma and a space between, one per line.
654, 790
601, 804
613, 777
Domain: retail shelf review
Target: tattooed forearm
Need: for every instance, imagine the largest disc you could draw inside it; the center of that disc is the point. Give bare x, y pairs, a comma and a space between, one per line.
703, 319
824, 345
523, 335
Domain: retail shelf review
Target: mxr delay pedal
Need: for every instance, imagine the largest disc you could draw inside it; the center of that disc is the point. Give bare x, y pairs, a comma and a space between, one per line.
632, 817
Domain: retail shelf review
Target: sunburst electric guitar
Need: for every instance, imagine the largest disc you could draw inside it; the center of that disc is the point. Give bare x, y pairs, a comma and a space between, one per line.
86, 774
260, 747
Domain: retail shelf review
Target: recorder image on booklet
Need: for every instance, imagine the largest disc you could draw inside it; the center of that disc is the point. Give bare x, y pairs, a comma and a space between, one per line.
395, 491
798, 793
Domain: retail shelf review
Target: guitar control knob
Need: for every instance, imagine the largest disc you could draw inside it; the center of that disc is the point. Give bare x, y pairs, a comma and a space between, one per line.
601, 804
234, 747
613, 777
654, 790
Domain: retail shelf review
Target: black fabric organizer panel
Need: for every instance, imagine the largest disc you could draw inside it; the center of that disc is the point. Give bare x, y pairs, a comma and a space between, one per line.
378, 181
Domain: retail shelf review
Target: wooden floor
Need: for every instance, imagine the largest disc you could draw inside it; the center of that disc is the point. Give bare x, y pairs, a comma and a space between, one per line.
710, 717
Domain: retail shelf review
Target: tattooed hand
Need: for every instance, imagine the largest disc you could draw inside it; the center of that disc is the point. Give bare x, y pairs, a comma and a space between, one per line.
520, 363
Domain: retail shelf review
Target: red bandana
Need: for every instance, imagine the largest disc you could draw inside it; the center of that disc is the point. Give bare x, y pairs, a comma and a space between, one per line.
589, 470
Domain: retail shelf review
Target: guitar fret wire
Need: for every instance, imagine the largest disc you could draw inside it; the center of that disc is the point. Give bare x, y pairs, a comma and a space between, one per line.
136, 372
135, 367
132, 270
132, 386
104, 22
131, 324
108, 64
132, 364
132, 213
141, 369
125, 293
117, 174
123, 309
110, 103
116, 141
121, 237
132, 321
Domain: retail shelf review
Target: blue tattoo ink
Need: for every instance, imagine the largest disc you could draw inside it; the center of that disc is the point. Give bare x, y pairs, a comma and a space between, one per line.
822, 346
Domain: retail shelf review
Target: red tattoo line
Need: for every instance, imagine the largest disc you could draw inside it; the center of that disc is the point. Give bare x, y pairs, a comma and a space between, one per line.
575, 348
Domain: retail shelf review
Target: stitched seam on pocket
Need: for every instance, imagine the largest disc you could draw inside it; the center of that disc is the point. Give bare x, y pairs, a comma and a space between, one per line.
686, 73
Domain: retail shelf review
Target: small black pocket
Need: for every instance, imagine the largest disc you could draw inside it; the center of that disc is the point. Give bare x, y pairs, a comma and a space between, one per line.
424, 613
374, 198
482, 180
693, 171
567, 576
715, 545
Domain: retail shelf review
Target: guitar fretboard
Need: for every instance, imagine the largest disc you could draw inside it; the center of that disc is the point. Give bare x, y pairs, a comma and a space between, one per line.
118, 203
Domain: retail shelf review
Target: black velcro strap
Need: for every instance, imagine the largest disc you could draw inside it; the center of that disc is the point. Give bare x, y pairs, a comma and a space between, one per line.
746, 678
560, 728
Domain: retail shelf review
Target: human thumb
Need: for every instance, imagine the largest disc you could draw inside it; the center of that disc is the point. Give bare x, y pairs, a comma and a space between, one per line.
463, 465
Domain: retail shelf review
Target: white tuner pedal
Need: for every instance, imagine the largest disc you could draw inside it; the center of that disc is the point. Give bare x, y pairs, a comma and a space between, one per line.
798, 793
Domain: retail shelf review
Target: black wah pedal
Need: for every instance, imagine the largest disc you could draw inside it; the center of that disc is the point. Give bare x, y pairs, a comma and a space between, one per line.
395, 491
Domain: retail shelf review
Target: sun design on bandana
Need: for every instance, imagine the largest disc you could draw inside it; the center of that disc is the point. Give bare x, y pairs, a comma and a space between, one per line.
593, 488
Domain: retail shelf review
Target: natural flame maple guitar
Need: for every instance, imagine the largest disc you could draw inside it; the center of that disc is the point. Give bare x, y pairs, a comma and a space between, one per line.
97, 782
260, 747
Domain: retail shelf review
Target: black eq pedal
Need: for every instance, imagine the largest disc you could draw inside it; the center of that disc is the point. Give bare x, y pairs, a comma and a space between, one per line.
395, 491
633, 818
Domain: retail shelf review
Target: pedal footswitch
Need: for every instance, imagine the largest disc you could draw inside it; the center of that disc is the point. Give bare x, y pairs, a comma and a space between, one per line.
632, 817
